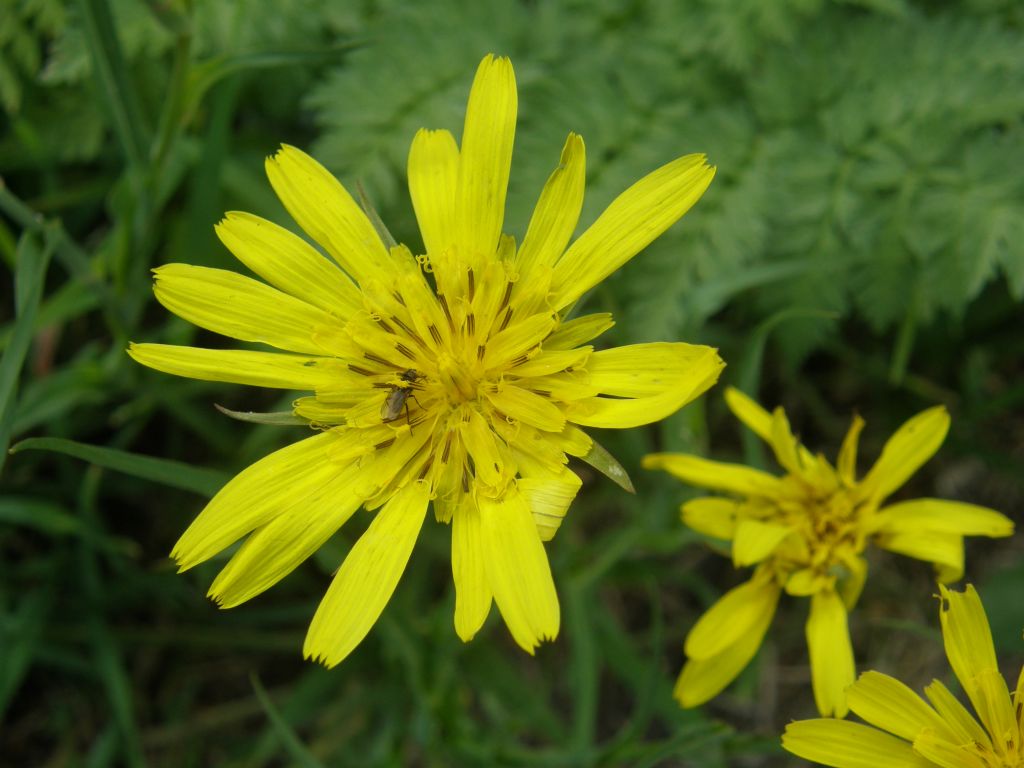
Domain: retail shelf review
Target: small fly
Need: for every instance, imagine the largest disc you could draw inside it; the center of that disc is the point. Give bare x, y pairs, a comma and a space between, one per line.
398, 398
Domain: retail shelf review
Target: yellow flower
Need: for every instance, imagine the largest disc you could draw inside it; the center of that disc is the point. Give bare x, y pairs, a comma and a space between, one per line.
806, 533
450, 378
942, 734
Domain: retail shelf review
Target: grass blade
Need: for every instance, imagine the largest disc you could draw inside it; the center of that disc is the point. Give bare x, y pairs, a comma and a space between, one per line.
175, 474
292, 743
30, 273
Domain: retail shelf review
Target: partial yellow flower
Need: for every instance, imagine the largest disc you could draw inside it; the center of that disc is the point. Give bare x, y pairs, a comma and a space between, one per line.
805, 533
450, 378
940, 732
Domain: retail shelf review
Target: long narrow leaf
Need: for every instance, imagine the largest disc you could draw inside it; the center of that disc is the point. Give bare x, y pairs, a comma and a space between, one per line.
30, 273
166, 471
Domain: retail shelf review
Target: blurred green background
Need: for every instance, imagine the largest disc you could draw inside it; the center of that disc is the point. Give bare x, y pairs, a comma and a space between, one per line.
862, 248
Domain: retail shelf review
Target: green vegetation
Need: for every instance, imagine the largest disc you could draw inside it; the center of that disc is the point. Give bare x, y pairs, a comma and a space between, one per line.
861, 249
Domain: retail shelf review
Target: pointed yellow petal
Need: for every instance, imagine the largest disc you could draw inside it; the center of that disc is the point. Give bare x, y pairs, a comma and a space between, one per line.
472, 590
528, 407
828, 640
518, 339
326, 211
755, 540
483, 445
645, 383
763, 424
965, 728
843, 744
735, 615
944, 550
945, 754
256, 495
558, 209
518, 571
288, 262
242, 308
703, 679
910, 447
715, 475
969, 646
711, 516
750, 412
486, 157
238, 366
889, 704
548, 362
433, 179
629, 224
943, 516
579, 330
276, 548
367, 578
847, 462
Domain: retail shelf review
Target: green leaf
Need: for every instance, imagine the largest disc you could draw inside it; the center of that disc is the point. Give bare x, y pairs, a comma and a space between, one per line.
30, 274
608, 465
276, 418
175, 474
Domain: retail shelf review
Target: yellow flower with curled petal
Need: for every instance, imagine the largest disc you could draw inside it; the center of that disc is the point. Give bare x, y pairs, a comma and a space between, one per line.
939, 732
806, 533
451, 378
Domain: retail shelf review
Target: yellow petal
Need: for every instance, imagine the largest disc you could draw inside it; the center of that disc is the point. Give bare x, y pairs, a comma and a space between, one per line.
938, 751
288, 262
889, 704
755, 540
548, 362
579, 330
518, 339
645, 383
367, 577
943, 516
965, 728
702, 679
238, 366
558, 209
433, 179
276, 548
846, 465
971, 653
472, 590
486, 157
629, 224
828, 640
242, 308
528, 407
326, 211
711, 516
549, 497
910, 447
843, 744
482, 444
784, 444
716, 475
763, 424
737, 613
944, 550
518, 571
256, 495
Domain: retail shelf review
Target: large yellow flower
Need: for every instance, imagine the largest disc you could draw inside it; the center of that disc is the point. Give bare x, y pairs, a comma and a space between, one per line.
806, 533
940, 734
450, 378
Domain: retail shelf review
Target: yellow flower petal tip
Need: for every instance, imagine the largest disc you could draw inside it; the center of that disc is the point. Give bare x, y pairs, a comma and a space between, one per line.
445, 376
806, 532
904, 729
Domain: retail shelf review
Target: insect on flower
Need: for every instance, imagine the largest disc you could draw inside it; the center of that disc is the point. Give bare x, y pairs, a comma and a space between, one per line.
398, 398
